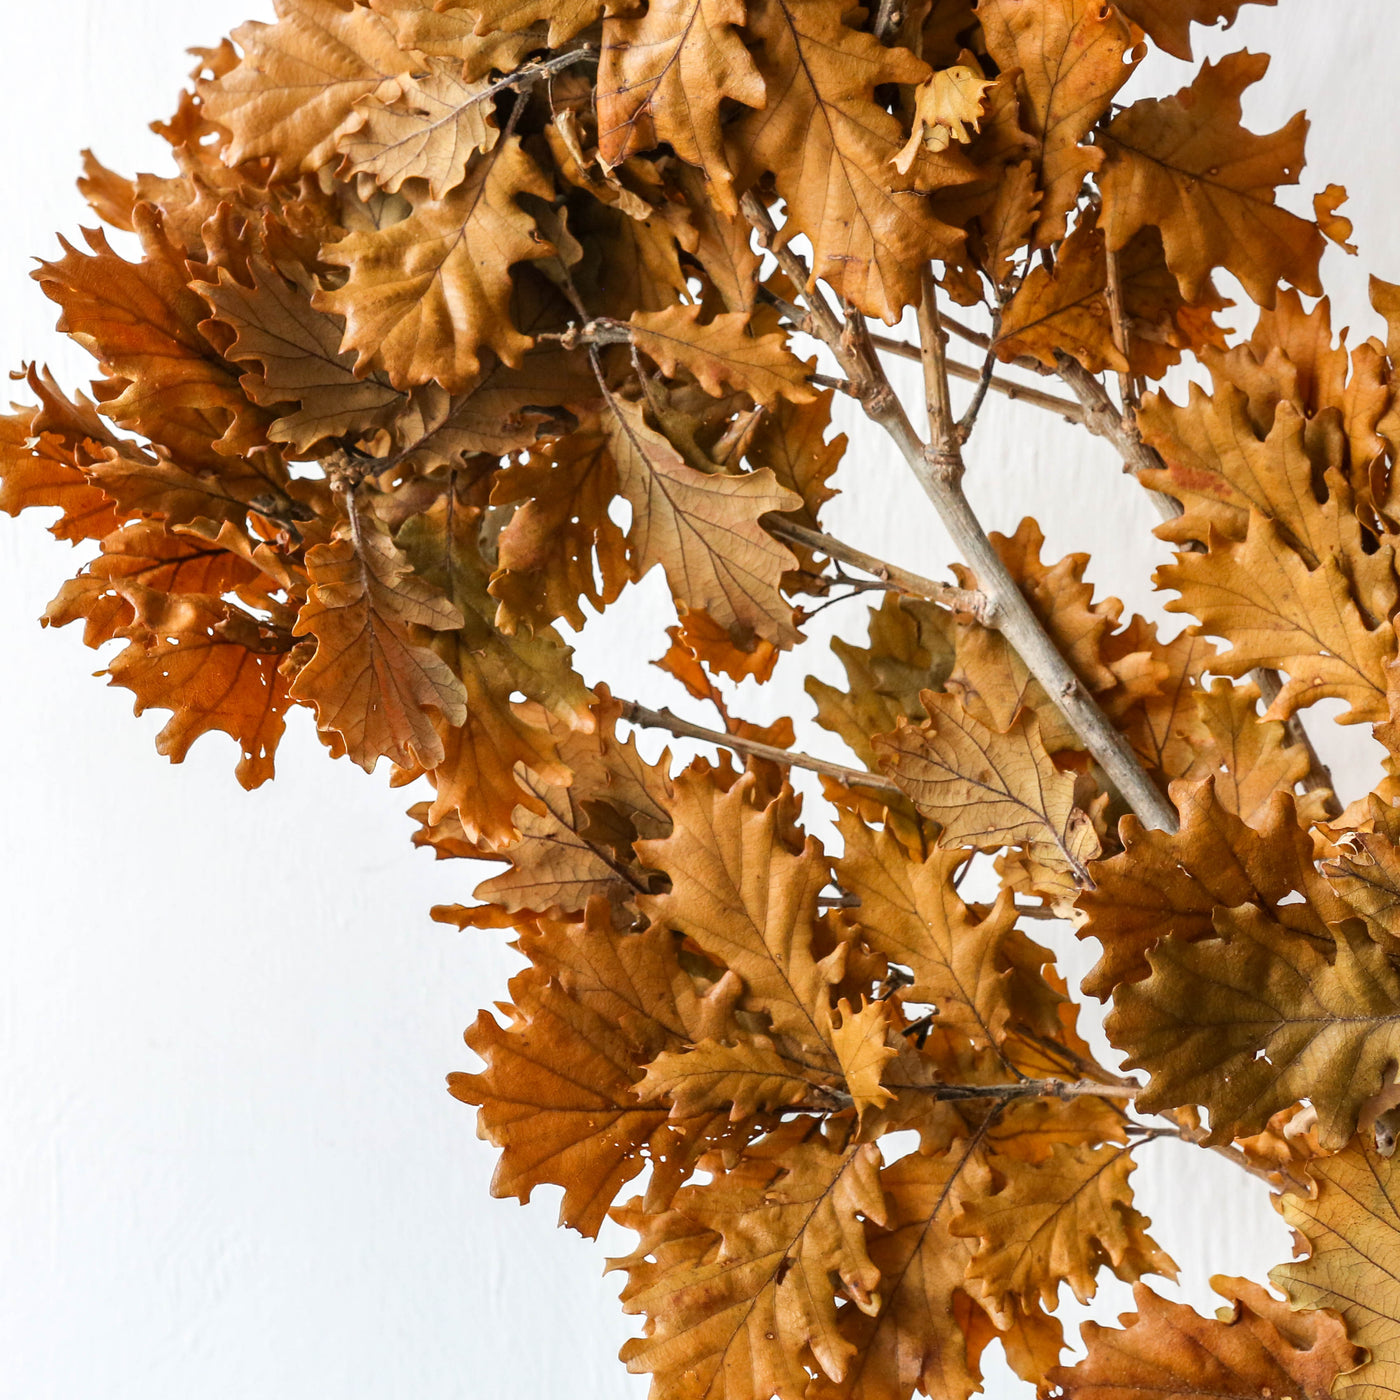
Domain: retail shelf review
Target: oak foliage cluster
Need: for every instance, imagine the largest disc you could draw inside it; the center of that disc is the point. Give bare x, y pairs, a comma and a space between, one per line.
454, 320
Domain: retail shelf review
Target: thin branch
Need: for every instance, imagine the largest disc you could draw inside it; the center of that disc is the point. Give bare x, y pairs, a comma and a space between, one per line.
939, 472
979, 396
684, 729
1122, 341
1028, 1089
966, 600
1103, 420
1017, 393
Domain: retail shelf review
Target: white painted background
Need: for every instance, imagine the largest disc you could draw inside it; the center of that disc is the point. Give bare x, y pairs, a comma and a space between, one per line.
228, 1165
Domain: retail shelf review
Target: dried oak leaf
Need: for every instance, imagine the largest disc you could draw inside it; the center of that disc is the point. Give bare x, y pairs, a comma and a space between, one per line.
424, 296
214, 667
829, 146
497, 737
910, 650
861, 1042
745, 898
145, 555
988, 790
141, 322
556, 1095
1067, 310
371, 681
1366, 872
703, 529
722, 351
751, 1076
1056, 1222
1169, 885
739, 1279
298, 351
560, 547
425, 126
1352, 1232
1262, 597
661, 79
1252, 1021
1187, 166
299, 80
451, 33
565, 17
978, 973
41, 469
920, 1337
1261, 1348
1072, 56
947, 107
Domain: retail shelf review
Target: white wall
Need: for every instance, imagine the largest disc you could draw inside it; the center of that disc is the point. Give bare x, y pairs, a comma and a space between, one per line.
228, 1166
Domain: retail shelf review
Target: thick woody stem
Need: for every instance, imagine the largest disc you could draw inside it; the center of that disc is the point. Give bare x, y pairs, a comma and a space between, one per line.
1103, 420
939, 471
965, 600
684, 729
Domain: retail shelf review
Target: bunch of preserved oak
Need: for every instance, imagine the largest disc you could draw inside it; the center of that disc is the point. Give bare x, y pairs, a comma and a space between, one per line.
430, 291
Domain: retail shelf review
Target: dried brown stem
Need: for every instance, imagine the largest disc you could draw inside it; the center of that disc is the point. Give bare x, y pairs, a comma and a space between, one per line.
684, 729
1017, 393
966, 600
939, 472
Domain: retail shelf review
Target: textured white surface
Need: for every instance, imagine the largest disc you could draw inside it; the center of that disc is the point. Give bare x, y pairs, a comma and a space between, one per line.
228, 1167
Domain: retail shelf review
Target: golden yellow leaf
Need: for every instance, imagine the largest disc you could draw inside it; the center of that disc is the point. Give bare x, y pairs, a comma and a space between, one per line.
723, 352
945, 107
972, 970
299, 80
703, 529
1259, 1017
860, 1040
750, 1077
1276, 612
662, 78
741, 1276
370, 681
1057, 1222
829, 146
1334, 225
1353, 1234
564, 17
451, 33
1073, 55
423, 127
1260, 1347
424, 296
1186, 165
748, 900
989, 790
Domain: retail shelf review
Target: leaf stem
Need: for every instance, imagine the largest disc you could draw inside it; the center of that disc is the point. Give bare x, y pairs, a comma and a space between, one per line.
684, 729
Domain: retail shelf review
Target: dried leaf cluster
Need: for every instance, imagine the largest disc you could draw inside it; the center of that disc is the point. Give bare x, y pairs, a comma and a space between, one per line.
437, 287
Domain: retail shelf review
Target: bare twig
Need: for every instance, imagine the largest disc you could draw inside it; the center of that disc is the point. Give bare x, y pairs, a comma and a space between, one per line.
1029, 1089
899, 580
1117, 310
684, 729
1017, 393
